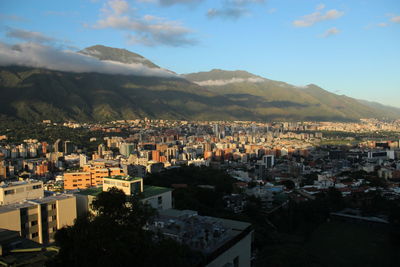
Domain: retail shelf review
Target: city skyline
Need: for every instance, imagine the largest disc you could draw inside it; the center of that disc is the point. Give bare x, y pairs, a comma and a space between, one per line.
346, 48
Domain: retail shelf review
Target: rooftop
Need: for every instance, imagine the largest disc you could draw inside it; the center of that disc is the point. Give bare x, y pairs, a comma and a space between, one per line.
207, 234
123, 178
32, 202
150, 191
17, 183
92, 191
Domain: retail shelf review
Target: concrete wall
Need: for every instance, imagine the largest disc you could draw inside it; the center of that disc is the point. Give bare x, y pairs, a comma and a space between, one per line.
66, 212
11, 220
21, 192
242, 250
166, 201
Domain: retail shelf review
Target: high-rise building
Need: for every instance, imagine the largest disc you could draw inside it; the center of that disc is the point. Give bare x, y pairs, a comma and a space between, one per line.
68, 147
268, 161
126, 149
100, 150
58, 146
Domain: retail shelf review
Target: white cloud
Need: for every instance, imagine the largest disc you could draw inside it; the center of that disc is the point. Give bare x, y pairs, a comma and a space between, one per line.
47, 57
395, 19
317, 16
119, 6
229, 12
12, 18
148, 30
320, 7
232, 9
171, 2
331, 31
29, 36
382, 24
233, 80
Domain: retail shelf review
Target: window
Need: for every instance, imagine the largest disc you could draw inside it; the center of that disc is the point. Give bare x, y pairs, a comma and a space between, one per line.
37, 186
159, 200
33, 223
236, 262
54, 217
53, 206
35, 235
9, 192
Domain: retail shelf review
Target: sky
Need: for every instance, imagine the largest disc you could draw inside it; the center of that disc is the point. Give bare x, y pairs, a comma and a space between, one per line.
349, 47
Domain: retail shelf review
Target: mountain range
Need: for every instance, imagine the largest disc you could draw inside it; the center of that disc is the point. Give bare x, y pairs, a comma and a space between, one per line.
38, 93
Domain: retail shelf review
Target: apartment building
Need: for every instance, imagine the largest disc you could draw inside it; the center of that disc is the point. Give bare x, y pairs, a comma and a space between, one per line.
25, 209
13, 192
92, 175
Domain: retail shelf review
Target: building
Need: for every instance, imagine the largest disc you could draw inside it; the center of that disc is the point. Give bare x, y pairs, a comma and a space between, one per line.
14, 192
18, 251
75, 180
268, 161
158, 197
24, 208
130, 185
68, 147
58, 146
38, 219
223, 242
92, 175
126, 149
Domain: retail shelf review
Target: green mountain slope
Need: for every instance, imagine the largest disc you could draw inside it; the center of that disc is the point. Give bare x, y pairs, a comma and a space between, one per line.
36, 94
285, 100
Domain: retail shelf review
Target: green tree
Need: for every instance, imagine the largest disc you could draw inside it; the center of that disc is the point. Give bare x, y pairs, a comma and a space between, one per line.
116, 237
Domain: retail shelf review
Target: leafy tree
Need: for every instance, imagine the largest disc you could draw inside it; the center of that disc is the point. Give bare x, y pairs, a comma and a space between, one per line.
116, 237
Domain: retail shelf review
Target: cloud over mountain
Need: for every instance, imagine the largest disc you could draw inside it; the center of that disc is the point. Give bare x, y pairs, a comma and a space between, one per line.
42, 56
229, 81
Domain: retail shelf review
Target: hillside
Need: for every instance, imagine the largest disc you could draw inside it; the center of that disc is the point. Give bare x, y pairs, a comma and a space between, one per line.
30, 93
285, 100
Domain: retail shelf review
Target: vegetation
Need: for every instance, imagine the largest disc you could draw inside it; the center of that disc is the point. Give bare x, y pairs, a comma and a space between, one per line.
38, 94
116, 237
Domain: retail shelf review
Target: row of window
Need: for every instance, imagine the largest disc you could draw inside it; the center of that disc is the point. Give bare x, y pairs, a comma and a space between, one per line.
20, 190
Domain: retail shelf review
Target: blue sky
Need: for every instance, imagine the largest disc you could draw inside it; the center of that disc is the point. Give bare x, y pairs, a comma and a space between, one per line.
349, 47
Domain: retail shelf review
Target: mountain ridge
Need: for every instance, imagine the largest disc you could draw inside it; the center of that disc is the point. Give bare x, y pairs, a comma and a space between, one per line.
30, 93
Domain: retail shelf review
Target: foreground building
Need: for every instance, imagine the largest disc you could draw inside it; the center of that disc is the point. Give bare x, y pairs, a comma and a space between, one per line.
223, 242
35, 216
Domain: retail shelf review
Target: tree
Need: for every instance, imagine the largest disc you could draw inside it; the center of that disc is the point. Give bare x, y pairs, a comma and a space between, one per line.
116, 237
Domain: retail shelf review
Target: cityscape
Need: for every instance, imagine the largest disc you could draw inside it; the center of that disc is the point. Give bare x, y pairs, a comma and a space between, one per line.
257, 172
200, 133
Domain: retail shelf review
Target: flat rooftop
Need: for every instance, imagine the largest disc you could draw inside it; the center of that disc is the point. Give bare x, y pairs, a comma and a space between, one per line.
33, 202
91, 191
123, 178
207, 234
150, 191
17, 183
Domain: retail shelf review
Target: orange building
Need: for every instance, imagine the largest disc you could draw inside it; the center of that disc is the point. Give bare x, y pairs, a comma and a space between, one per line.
155, 155
91, 176
75, 180
42, 169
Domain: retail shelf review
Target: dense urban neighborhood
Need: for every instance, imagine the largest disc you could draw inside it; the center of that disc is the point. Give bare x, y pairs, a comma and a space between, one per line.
244, 193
